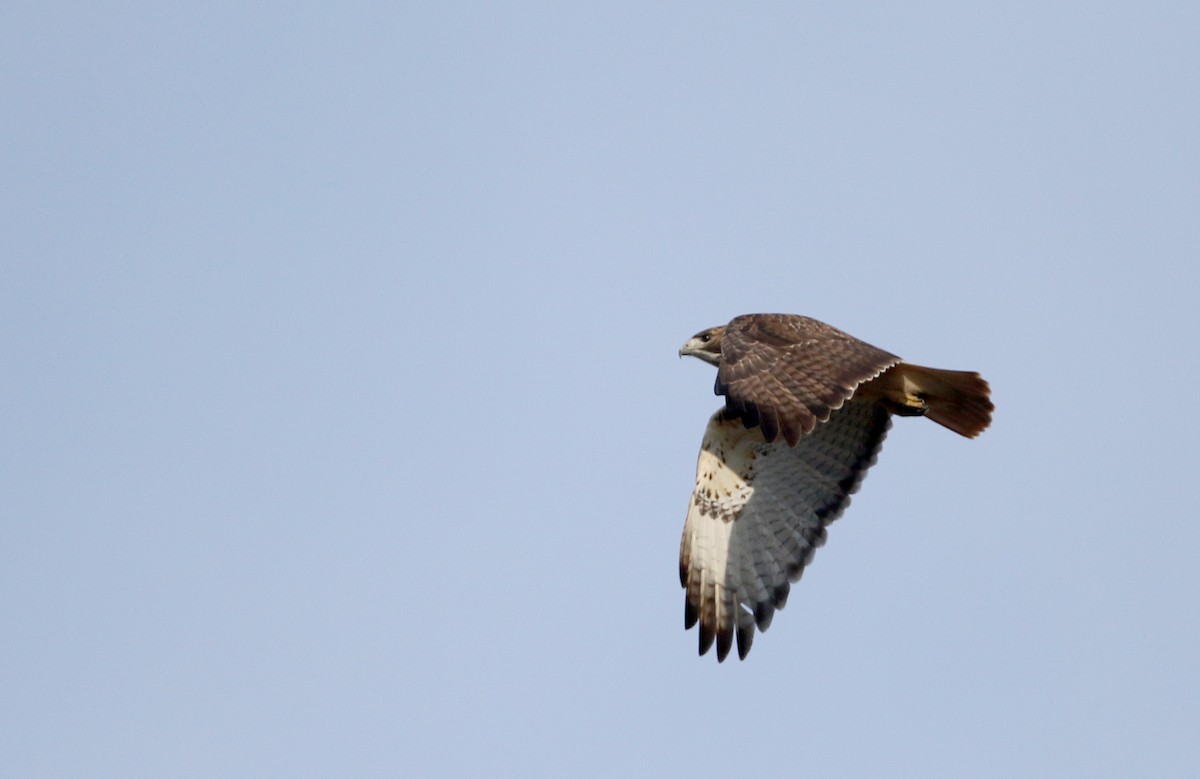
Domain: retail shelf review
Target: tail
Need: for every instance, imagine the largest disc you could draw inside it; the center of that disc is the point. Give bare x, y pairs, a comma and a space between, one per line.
954, 399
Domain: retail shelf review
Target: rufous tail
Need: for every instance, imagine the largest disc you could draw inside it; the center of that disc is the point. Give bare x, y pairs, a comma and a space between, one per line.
954, 399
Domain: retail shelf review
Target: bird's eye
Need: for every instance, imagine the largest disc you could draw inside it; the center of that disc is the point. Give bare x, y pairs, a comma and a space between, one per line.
705, 337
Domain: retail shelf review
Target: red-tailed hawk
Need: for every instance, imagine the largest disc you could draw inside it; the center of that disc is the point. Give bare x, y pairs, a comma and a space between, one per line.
806, 410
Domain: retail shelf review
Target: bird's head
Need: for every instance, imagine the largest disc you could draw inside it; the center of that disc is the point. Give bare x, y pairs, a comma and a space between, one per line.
705, 344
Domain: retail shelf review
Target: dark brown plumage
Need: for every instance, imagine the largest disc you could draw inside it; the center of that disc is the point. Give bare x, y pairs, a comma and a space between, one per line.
807, 407
786, 373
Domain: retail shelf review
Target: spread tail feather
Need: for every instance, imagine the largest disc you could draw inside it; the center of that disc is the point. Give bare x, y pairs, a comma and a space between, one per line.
957, 400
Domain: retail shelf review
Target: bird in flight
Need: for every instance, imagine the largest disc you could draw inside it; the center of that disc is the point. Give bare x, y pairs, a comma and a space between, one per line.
806, 410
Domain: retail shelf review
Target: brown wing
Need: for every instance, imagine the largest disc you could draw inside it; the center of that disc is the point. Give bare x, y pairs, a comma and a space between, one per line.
786, 373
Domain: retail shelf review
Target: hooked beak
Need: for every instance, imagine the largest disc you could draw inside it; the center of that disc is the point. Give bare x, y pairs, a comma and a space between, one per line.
690, 347
701, 350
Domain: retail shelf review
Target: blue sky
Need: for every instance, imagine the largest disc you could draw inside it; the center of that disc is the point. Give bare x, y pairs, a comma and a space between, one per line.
343, 431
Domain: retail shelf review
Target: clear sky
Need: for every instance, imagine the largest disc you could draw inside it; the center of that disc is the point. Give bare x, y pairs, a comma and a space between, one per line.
343, 431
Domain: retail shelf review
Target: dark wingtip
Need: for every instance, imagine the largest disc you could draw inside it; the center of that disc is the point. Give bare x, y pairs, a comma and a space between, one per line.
780, 595
745, 637
764, 612
690, 615
724, 643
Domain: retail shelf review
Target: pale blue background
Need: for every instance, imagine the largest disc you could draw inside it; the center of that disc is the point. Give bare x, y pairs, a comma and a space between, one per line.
343, 432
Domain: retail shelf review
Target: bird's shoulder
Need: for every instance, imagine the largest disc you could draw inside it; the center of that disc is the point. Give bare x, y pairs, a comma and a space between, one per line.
779, 330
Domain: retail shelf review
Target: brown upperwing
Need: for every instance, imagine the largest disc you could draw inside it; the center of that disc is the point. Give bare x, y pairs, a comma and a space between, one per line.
786, 373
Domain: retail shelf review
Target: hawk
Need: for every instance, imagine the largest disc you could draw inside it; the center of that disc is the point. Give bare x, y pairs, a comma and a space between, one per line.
806, 409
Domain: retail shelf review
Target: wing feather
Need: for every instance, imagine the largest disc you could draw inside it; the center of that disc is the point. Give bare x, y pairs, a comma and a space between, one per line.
759, 512
788, 373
